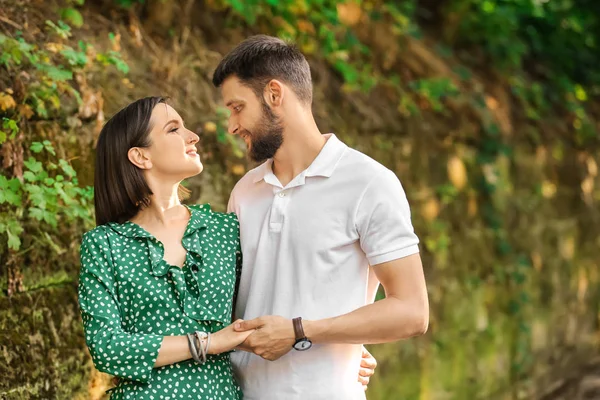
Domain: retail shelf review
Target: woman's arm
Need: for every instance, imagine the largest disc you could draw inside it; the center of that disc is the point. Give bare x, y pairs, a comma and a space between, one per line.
175, 348
114, 351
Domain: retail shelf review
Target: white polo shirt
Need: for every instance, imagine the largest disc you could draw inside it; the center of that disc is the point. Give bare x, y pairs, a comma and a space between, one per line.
307, 248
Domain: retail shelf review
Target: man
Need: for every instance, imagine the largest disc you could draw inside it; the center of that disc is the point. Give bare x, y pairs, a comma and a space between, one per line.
321, 226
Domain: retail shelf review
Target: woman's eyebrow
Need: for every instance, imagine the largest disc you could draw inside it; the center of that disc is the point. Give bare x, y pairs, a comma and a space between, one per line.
173, 120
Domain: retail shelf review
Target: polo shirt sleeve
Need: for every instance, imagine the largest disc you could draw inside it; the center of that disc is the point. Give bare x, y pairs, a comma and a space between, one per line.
383, 220
231, 204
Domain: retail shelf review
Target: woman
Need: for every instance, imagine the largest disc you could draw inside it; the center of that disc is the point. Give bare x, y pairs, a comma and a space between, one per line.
154, 270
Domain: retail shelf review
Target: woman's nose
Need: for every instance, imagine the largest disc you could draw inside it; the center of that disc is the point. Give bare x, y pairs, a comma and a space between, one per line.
193, 138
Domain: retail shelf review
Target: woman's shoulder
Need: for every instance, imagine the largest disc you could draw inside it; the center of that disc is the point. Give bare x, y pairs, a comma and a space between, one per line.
215, 216
95, 249
98, 234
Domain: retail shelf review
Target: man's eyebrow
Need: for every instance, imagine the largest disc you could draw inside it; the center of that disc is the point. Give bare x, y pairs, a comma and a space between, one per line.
230, 102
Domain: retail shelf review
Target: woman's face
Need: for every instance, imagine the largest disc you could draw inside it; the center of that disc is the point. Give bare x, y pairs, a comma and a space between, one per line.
172, 154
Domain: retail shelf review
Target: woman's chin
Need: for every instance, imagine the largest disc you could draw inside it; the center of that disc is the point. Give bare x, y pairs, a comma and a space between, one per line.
199, 168
190, 173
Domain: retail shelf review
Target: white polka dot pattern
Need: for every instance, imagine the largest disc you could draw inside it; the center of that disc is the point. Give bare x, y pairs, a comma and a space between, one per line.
130, 297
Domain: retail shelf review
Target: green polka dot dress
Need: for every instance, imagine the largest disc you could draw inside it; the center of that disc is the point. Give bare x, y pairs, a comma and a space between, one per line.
130, 297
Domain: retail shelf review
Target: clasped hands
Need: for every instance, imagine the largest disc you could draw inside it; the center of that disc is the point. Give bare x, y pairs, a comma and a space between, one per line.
273, 337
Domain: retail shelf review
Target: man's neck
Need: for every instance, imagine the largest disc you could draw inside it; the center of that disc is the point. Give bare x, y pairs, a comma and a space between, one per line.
301, 145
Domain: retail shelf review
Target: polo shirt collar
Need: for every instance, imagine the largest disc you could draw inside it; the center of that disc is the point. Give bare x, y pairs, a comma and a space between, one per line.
324, 165
328, 158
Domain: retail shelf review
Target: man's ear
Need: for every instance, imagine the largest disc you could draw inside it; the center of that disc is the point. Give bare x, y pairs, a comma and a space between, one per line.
274, 93
139, 157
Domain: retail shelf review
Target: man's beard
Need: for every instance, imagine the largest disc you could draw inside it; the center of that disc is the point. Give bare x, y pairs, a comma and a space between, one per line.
266, 137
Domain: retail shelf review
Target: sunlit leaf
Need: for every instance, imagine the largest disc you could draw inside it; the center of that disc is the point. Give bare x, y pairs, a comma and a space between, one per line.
72, 16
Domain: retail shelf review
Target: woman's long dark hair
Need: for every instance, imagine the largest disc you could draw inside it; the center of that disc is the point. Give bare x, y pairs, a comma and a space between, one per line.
120, 189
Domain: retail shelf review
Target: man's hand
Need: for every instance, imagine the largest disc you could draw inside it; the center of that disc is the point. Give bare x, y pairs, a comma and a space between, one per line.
368, 363
274, 336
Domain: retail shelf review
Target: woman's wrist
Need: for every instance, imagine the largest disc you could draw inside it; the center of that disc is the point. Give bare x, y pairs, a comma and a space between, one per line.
215, 341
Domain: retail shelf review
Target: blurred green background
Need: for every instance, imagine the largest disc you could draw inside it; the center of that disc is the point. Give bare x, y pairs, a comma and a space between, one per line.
487, 110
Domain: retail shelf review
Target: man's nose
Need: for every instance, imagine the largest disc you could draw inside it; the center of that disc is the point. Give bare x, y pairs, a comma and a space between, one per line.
233, 127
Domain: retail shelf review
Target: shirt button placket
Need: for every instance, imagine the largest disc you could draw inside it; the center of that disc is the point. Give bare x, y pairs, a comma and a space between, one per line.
277, 211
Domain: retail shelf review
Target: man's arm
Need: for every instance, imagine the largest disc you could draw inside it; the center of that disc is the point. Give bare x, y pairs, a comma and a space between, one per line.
387, 238
402, 314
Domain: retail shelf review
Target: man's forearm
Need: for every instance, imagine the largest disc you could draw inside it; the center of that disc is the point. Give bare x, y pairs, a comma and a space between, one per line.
384, 321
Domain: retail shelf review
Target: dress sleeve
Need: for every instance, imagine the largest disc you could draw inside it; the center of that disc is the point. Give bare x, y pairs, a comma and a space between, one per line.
114, 351
238, 266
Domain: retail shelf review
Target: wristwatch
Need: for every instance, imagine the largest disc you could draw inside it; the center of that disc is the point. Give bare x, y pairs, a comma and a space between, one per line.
302, 342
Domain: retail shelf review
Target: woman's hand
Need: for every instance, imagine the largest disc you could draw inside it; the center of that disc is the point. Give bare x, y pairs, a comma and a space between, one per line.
227, 339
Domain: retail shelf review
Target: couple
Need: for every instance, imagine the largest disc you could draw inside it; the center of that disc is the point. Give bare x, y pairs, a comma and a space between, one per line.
320, 226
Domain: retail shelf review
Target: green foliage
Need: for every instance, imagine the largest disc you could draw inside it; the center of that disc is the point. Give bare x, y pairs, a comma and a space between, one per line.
48, 193
562, 35
434, 90
45, 198
50, 77
113, 58
554, 41
61, 29
322, 27
76, 58
483, 287
128, 3
72, 16
9, 129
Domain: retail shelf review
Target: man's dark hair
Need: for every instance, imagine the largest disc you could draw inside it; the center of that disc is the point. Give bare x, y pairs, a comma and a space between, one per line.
261, 58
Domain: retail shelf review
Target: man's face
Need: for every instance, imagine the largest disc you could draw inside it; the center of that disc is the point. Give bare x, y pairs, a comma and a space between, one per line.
252, 119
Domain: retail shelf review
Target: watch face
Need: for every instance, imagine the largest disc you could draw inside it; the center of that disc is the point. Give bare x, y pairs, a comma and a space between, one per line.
302, 345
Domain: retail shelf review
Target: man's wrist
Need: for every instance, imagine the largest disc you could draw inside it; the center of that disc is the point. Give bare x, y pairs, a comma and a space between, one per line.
310, 329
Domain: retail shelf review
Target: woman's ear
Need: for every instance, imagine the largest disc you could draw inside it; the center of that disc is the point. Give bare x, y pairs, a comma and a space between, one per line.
138, 157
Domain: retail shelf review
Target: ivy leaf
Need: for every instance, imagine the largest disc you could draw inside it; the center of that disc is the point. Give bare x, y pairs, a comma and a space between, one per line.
14, 184
36, 213
33, 165
72, 16
14, 230
29, 176
11, 195
36, 147
14, 242
75, 58
36, 196
67, 168
48, 146
50, 218
10, 125
13, 198
55, 73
